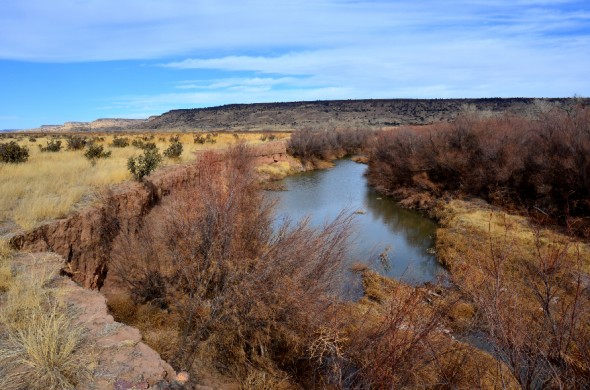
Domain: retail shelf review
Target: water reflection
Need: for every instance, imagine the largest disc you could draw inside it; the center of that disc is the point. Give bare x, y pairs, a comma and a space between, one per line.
381, 224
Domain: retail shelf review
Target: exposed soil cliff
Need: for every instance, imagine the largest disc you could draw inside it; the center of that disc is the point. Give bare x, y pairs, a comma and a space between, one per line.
84, 239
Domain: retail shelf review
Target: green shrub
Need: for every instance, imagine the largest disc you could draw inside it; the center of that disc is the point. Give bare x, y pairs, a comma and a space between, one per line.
143, 145
174, 150
202, 139
95, 152
76, 143
122, 142
13, 153
52, 146
145, 164
32, 139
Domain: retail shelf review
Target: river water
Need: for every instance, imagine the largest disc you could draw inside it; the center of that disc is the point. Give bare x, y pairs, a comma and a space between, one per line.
404, 237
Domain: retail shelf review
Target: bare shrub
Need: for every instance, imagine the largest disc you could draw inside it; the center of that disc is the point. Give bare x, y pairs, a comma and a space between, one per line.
309, 144
245, 298
534, 310
538, 164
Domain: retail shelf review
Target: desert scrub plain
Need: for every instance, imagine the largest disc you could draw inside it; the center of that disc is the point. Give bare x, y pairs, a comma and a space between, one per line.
51, 184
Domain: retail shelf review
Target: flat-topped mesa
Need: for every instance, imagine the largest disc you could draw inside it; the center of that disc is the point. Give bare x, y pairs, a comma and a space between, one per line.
103, 124
374, 113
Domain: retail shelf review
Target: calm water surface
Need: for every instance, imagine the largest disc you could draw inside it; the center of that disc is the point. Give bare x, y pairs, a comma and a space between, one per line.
380, 224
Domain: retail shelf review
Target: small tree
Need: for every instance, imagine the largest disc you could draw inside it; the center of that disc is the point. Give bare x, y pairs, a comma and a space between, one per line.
145, 164
174, 150
13, 153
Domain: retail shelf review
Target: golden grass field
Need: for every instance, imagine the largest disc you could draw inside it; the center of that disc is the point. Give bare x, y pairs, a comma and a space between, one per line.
51, 184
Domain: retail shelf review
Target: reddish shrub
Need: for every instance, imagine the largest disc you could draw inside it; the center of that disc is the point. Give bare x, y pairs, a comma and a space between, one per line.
540, 164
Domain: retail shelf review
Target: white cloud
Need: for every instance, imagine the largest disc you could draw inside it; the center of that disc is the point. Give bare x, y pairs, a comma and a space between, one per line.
489, 67
65, 30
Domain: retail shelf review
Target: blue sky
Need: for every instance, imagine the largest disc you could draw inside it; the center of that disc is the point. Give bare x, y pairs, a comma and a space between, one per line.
79, 60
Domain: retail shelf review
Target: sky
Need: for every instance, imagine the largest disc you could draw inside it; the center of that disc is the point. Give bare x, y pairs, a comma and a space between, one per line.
79, 60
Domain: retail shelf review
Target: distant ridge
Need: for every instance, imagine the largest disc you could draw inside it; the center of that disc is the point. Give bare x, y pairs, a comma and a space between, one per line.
340, 113
103, 124
370, 113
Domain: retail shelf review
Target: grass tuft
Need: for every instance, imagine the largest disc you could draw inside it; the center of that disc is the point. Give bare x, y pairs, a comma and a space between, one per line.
41, 346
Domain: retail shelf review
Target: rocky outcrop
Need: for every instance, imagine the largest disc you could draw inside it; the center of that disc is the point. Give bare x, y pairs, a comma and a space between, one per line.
85, 238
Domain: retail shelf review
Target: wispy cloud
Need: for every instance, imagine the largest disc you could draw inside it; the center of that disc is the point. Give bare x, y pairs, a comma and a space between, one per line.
63, 30
263, 50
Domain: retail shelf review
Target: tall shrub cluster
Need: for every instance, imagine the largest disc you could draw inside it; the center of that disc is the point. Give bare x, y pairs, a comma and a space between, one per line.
309, 144
541, 164
244, 297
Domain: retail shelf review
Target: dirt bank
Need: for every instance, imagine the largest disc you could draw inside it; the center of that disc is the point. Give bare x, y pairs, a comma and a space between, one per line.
84, 238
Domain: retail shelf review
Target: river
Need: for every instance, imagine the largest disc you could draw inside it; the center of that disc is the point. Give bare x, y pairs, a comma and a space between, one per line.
404, 237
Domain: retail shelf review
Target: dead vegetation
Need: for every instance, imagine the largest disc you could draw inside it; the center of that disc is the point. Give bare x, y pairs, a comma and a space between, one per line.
539, 165
207, 280
528, 285
530, 290
240, 296
314, 145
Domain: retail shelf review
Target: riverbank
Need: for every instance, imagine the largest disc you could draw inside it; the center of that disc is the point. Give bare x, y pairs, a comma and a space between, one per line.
521, 286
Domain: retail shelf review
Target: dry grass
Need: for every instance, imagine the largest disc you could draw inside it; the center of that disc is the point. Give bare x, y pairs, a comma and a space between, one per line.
276, 171
50, 185
6, 276
41, 347
467, 228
